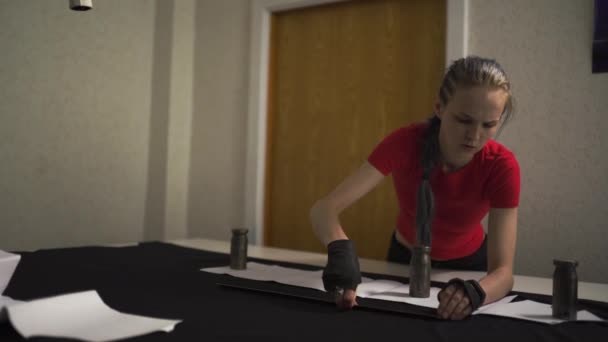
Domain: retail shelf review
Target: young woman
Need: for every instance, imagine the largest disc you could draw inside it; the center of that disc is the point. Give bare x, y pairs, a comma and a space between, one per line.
448, 174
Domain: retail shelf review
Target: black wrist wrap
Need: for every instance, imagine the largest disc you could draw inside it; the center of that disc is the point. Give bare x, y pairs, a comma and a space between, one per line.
472, 289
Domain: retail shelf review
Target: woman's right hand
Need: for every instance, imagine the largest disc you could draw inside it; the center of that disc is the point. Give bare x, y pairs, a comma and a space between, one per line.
346, 300
341, 274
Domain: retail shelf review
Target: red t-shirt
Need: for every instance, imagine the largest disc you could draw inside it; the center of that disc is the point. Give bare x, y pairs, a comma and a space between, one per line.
462, 198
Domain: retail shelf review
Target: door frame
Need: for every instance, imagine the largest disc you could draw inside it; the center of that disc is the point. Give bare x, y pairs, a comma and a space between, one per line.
255, 164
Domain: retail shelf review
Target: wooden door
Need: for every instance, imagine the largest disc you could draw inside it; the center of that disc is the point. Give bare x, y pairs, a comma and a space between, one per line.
342, 76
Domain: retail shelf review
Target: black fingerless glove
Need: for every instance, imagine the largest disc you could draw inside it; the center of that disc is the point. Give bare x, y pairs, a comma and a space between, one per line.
342, 269
472, 289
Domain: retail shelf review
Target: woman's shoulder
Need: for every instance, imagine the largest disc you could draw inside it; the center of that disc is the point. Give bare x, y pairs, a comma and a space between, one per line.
498, 154
502, 174
400, 141
407, 138
409, 131
397, 149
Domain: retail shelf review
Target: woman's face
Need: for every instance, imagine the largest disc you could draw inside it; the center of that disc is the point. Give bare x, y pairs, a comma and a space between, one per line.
469, 119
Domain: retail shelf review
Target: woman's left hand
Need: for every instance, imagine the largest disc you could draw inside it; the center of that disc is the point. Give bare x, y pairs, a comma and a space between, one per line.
453, 303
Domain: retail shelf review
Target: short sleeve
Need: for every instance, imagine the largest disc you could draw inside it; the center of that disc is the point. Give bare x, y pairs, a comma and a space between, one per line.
393, 151
504, 184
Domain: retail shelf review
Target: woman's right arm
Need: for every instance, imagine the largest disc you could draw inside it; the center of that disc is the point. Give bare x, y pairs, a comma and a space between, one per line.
325, 212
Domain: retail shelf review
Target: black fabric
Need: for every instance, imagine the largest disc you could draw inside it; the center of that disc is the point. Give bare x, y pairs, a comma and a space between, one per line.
471, 288
163, 280
342, 269
477, 261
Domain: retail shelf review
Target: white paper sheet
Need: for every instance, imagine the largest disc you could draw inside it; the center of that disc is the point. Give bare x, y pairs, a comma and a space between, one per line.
376, 287
5, 302
504, 300
402, 294
81, 315
533, 311
396, 292
8, 264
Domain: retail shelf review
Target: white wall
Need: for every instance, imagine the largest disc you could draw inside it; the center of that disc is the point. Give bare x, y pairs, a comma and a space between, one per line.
219, 121
75, 111
106, 114
559, 133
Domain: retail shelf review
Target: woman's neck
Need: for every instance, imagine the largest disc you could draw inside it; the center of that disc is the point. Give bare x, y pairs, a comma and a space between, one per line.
447, 164
448, 167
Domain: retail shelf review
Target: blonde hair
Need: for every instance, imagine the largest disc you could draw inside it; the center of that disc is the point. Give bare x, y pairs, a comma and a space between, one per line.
476, 71
466, 72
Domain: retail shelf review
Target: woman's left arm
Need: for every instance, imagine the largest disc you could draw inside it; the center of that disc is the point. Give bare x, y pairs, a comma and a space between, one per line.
502, 233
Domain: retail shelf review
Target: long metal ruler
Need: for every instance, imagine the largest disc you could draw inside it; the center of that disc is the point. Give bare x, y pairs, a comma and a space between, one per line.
363, 303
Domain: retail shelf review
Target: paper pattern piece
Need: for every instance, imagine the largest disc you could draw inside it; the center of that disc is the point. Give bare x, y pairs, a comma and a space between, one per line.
81, 315
8, 264
504, 300
284, 275
397, 292
534, 311
369, 288
4, 303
